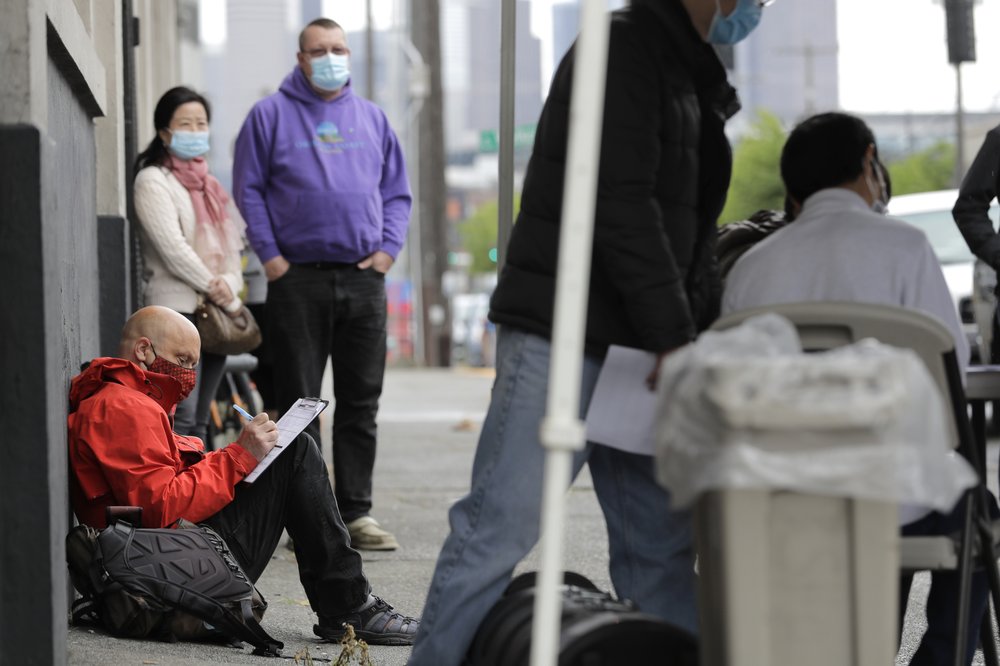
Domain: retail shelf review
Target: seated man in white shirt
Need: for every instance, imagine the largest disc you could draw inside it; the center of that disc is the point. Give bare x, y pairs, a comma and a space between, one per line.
841, 247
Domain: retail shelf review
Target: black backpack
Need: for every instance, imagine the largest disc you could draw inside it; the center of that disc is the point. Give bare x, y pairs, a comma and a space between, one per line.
168, 584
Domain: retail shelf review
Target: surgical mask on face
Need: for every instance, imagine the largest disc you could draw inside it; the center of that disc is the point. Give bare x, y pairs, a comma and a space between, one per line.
880, 197
187, 377
188, 145
735, 27
330, 72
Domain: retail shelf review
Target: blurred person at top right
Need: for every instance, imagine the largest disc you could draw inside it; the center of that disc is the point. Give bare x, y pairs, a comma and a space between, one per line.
971, 213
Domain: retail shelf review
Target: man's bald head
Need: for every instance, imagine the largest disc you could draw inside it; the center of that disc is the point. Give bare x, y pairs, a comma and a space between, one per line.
156, 330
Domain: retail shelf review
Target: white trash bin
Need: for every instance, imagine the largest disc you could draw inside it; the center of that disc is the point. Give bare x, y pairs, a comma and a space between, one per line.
796, 465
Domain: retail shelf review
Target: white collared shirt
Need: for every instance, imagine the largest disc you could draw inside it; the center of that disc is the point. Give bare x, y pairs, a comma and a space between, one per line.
839, 249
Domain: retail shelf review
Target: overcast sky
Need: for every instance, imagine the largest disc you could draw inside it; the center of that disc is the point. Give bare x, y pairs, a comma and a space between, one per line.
894, 57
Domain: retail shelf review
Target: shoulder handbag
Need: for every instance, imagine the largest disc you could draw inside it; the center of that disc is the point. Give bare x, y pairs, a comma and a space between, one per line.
223, 334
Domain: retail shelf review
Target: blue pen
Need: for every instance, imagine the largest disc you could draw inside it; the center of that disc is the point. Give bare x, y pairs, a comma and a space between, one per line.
244, 413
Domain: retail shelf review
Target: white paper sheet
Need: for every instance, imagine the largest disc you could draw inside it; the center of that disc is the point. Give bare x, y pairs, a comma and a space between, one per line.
290, 425
622, 410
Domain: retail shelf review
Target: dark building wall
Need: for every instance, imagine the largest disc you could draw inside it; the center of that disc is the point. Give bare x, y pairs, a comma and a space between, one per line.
49, 323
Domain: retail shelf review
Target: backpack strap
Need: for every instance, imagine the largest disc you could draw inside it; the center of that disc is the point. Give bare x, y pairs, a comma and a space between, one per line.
85, 609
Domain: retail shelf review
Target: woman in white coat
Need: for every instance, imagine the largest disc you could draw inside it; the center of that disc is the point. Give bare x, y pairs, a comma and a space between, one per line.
190, 237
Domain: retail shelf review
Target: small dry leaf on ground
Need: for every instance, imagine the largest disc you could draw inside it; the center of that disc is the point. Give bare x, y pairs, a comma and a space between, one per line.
465, 425
304, 655
353, 648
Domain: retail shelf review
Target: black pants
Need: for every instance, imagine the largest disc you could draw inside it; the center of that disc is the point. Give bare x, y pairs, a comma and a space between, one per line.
294, 493
263, 374
336, 311
937, 645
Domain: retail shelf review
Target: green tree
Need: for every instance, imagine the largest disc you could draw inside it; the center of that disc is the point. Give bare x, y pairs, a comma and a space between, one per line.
479, 235
756, 181
924, 171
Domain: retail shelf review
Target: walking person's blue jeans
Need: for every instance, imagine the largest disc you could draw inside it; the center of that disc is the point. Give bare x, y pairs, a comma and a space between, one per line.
497, 523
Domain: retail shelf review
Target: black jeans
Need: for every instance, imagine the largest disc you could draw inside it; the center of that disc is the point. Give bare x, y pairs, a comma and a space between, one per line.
333, 310
294, 493
937, 645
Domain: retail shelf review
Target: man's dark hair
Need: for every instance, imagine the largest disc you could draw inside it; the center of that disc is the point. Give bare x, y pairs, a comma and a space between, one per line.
825, 150
325, 23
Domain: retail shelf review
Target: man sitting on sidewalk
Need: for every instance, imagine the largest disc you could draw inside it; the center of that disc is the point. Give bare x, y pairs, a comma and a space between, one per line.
123, 452
842, 248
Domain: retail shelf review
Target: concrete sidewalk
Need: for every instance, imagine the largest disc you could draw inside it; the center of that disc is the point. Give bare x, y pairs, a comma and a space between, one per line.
429, 422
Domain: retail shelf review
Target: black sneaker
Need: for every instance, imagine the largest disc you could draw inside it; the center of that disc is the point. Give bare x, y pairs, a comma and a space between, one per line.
375, 622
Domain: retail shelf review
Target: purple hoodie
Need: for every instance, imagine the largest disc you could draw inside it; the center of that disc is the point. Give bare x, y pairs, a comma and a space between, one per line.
320, 180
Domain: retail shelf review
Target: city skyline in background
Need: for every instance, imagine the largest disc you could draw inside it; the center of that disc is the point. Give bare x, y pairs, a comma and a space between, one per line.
806, 56
883, 68
846, 62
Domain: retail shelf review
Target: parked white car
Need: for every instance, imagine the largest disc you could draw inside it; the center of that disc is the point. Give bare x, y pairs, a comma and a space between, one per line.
931, 211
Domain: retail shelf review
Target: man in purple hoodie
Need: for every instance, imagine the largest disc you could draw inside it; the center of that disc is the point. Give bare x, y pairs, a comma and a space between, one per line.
320, 178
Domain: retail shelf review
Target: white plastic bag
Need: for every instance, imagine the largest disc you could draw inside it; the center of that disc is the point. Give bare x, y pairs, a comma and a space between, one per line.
746, 408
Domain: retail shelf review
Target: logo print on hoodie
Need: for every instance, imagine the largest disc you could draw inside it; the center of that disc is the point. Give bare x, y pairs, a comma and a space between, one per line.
328, 139
327, 132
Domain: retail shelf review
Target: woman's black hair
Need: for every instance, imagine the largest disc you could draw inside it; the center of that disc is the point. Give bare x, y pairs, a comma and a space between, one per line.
156, 151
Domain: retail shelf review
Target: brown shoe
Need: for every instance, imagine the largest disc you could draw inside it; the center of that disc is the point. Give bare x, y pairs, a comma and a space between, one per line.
367, 535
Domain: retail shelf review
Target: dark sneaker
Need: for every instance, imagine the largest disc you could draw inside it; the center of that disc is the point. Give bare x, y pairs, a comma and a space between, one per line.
375, 622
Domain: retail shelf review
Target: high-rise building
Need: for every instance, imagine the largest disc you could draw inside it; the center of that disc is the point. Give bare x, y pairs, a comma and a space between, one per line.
565, 28
472, 69
788, 66
566, 25
259, 51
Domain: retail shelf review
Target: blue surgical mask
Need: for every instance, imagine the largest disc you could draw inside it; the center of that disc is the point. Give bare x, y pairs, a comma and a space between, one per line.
330, 72
188, 145
735, 27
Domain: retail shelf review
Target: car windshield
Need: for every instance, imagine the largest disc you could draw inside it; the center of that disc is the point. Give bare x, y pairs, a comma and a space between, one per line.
945, 238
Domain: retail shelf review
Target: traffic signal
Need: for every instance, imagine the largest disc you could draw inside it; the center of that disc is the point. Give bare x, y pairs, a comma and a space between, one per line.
961, 31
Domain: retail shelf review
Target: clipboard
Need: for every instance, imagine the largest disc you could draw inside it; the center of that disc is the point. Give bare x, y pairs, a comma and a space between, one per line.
292, 422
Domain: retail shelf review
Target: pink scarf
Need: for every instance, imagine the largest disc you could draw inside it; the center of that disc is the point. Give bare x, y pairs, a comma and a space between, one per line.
216, 237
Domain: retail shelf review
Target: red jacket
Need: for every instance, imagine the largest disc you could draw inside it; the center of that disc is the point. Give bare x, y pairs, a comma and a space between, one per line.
122, 450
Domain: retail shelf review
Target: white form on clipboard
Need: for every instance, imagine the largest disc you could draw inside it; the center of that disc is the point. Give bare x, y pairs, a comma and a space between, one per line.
289, 425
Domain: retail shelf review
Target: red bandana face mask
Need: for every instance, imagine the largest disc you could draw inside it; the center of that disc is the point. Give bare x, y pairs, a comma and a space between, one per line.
186, 376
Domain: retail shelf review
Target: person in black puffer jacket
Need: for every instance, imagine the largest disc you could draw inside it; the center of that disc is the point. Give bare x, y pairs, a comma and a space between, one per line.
663, 174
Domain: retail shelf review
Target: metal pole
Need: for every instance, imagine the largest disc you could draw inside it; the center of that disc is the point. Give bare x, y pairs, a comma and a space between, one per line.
369, 52
959, 128
505, 190
562, 431
417, 91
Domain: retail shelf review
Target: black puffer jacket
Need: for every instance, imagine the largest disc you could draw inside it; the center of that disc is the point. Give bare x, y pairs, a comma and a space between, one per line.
664, 171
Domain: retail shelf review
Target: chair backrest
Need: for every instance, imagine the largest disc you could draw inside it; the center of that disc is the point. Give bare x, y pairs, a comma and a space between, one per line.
825, 325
